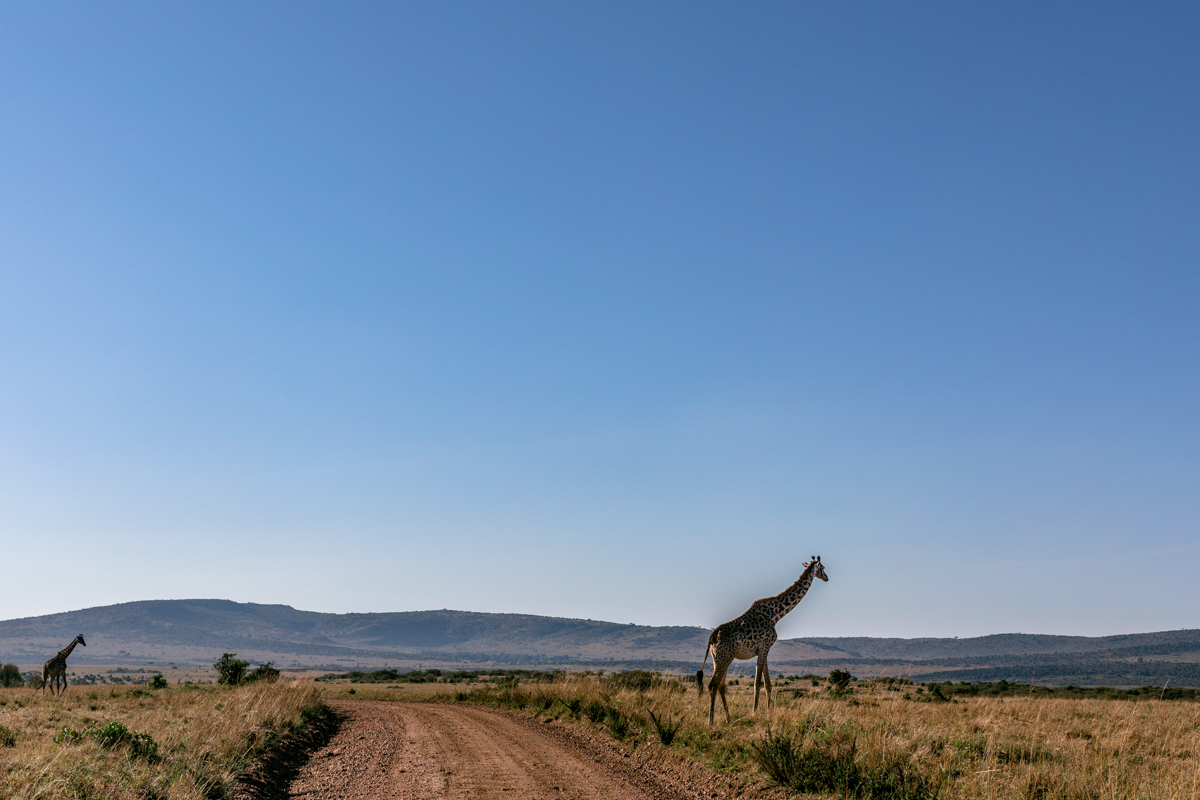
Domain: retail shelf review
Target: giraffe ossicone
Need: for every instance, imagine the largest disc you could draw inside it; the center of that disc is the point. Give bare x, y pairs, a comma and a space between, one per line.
751, 636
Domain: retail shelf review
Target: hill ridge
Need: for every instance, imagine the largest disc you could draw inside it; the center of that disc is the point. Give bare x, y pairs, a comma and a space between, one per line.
198, 630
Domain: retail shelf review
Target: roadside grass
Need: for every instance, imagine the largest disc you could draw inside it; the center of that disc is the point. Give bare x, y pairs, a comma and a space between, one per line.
876, 741
178, 743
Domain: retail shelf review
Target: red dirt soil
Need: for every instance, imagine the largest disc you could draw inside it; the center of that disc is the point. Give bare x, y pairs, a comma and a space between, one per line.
420, 751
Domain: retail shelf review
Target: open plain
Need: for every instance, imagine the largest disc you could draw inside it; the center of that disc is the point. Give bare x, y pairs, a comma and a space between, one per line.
894, 741
630, 735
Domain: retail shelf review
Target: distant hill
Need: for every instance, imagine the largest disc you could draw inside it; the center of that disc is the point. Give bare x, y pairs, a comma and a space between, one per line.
198, 631
1003, 644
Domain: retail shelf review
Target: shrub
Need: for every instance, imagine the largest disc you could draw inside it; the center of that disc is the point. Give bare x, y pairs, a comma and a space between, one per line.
10, 675
158, 682
7, 737
618, 723
822, 760
112, 735
231, 670
805, 769
595, 711
265, 672
839, 679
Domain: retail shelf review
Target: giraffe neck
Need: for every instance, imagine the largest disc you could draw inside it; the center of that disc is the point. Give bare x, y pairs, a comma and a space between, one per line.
64, 653
789, 598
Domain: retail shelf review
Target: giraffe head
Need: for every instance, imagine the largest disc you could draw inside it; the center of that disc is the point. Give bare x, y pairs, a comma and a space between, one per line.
819, 570
79, 639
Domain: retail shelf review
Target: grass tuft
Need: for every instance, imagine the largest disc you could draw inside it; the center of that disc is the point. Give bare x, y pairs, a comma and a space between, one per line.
666, 728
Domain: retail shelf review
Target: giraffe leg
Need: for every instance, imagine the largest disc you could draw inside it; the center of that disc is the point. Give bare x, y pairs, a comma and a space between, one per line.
757, 683
717, 684
765, 671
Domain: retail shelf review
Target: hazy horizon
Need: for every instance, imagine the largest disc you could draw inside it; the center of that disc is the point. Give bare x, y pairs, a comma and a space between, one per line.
617, 312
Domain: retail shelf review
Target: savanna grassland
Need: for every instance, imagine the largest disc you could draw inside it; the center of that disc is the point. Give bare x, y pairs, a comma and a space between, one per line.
880, 740
855, 739
180, 742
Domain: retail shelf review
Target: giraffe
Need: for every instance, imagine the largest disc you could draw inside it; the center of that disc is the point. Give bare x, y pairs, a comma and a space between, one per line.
751, 635
56, 668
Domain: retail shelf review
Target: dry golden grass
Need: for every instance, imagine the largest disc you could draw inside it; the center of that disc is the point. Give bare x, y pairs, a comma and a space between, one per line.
377, 691
972, 748
204, 735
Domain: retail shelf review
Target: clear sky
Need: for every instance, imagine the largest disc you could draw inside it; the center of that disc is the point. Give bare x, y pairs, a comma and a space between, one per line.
614, 311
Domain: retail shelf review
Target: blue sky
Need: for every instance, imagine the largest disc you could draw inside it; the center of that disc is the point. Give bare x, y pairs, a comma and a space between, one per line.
606, 311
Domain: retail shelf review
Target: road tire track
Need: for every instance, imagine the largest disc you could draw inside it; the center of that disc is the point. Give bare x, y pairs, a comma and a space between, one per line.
431, 751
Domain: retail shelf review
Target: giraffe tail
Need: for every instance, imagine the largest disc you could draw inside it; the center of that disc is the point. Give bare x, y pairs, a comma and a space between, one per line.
700, 672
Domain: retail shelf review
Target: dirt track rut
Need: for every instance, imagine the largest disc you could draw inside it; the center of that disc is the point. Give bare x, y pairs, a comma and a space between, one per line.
422, 751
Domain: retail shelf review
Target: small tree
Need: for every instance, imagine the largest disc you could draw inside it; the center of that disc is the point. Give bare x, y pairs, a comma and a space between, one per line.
10, 675
839, 681
158, 682
265, 672
231, 670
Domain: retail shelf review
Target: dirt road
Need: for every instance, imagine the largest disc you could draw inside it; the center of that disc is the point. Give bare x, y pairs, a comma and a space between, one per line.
419, 751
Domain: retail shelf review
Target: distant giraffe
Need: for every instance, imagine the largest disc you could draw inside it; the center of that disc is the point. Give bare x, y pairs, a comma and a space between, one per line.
751, 635
56, 668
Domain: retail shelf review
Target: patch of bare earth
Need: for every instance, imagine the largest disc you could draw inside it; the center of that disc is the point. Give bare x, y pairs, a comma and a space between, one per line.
420, 751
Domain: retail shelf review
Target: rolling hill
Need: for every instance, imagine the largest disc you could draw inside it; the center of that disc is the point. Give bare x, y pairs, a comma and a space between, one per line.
198, 631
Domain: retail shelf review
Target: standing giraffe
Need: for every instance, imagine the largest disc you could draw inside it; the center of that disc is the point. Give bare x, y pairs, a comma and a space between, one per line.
751, 635
56, 668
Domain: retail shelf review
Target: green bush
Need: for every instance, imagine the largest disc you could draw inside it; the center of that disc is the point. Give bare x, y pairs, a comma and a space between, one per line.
158, 682
839, 681
265, 672
112, 735
821, 760
10, 675
595, 711
809, 769
231, 670
618, 723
